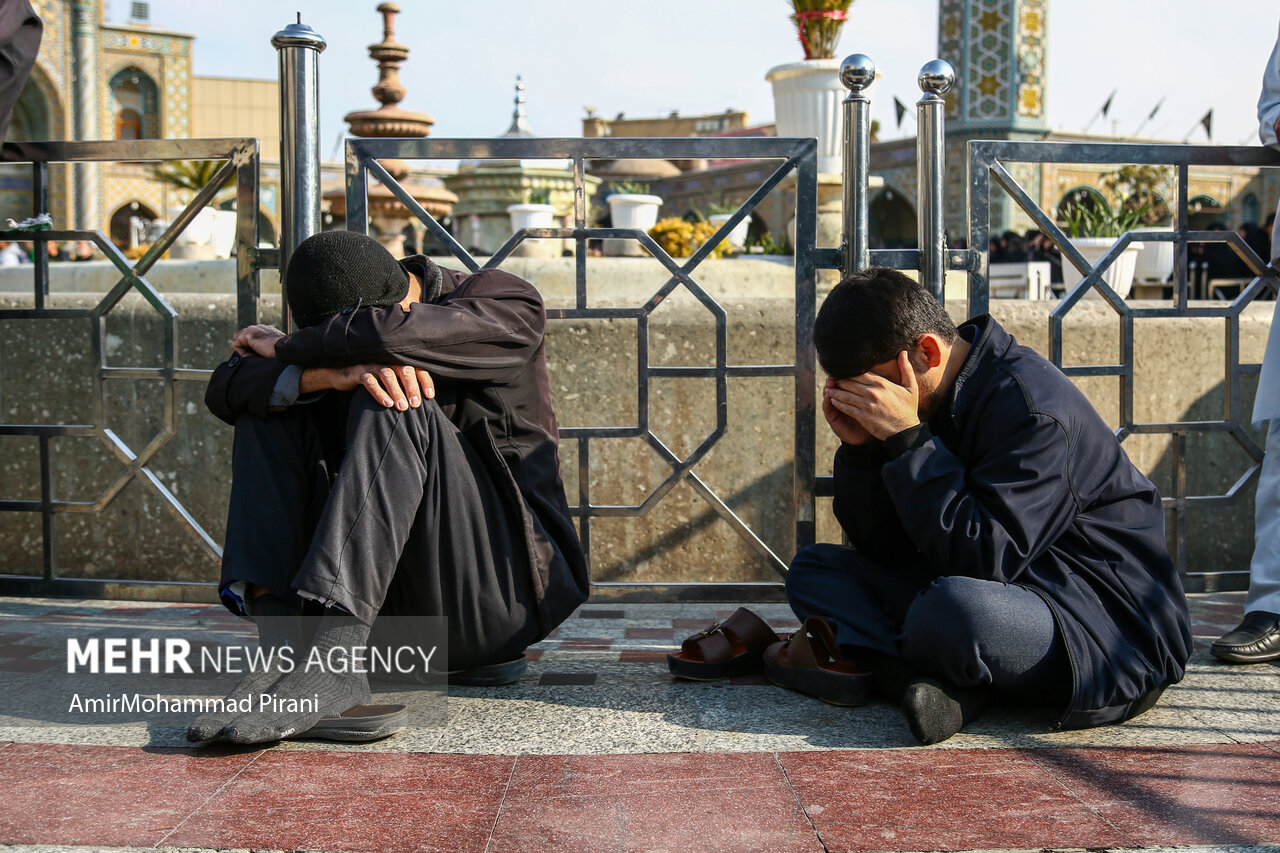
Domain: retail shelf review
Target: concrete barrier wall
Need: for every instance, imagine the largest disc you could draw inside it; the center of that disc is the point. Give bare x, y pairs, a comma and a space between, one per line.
46, 377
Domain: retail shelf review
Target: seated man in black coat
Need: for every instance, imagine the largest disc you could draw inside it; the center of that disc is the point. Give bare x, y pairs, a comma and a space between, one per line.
395, 455
1003, 543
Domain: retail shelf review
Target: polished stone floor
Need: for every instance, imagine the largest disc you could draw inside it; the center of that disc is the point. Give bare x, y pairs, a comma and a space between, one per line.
598, 749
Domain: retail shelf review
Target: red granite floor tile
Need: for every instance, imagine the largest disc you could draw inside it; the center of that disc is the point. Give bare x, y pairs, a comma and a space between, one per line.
940, 800
354, 801
705, 802
9, 637
642, 656
533, 654
685, 624
586, 643
1212, 794
650, 633
105, 795
58, 616
26, 665
15, 650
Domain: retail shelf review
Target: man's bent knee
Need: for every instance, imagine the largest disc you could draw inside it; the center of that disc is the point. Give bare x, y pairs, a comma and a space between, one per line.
951, 610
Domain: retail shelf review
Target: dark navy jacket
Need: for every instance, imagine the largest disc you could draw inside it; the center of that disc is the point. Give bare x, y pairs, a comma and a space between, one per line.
1017, 479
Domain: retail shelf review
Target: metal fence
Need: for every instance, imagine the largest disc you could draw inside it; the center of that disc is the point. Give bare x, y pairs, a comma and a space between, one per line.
241, 164
796, 160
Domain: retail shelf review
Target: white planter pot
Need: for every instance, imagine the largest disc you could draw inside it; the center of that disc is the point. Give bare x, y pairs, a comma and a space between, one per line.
224, 232
1119, 276
1155, 261
737, 238
806, 102
534, 216
199, 232
531, 216
631, 210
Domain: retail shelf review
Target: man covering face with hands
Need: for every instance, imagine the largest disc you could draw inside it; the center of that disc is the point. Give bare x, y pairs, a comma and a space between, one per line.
1001, 544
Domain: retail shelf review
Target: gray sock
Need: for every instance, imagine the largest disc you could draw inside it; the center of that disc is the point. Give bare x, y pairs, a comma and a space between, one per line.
279, 624
308, 694
936, 710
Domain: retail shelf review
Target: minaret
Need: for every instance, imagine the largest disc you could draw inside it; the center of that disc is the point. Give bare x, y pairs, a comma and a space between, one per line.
997, 48
519, 121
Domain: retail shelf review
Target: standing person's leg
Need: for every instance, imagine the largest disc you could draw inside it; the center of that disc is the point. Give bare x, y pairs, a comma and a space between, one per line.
1264, 570
968, 638
1257, 639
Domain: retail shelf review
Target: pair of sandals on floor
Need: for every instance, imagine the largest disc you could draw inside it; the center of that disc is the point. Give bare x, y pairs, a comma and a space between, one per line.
808, 661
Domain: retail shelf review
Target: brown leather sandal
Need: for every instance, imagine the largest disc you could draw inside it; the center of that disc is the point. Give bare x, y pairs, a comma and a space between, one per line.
723, 649
811, 662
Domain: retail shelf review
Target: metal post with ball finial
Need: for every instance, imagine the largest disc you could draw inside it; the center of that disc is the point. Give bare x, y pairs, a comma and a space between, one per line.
857, 72
936, 78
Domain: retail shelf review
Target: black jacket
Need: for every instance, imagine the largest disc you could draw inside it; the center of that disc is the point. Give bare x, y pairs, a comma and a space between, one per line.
482, 343
1017, 479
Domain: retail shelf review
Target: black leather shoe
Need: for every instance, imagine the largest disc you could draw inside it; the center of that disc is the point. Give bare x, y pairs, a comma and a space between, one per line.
1256, 640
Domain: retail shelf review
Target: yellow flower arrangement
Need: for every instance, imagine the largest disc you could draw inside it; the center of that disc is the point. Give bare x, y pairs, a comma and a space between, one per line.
680, 238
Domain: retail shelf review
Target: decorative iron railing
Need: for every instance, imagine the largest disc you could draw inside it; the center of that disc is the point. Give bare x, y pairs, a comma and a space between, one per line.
240, 158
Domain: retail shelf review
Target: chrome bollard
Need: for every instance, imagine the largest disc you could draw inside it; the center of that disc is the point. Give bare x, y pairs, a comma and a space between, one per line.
857, 72
936, 78
299, 49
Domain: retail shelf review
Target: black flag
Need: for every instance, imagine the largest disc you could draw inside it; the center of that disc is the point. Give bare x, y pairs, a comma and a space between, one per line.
1155, 109
1207, 123
899, 108
1106, 108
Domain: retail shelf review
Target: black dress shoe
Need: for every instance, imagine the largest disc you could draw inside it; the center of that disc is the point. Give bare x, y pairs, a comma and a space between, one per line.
1256, 640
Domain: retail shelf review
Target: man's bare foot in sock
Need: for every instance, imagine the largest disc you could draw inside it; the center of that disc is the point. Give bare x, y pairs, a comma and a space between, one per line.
279, 625
302, 698
936, 710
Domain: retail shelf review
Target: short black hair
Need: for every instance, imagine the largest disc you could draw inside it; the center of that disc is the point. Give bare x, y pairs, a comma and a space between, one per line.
870, 317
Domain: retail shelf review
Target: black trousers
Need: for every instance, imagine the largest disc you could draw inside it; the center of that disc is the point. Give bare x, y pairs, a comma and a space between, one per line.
384, 513
967, 631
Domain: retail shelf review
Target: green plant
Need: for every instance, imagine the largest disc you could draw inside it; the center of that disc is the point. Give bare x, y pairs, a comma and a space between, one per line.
771, 245
1143, 185
190, 175
818, 24
630, 188
718, 208
1097, 219
538, 196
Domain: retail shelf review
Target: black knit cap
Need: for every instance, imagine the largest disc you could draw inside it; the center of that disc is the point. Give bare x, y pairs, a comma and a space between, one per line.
335, 270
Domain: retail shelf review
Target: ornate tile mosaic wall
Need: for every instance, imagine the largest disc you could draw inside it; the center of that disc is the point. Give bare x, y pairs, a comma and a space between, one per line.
998, 50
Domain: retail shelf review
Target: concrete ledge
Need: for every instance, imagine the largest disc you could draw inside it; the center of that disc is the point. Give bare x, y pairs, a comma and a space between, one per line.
48, 378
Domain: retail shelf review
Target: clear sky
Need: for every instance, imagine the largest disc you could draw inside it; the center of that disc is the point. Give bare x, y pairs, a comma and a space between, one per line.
651, 57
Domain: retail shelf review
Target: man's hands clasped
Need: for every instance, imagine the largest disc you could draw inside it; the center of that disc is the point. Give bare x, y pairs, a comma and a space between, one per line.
870, 406
401, 386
